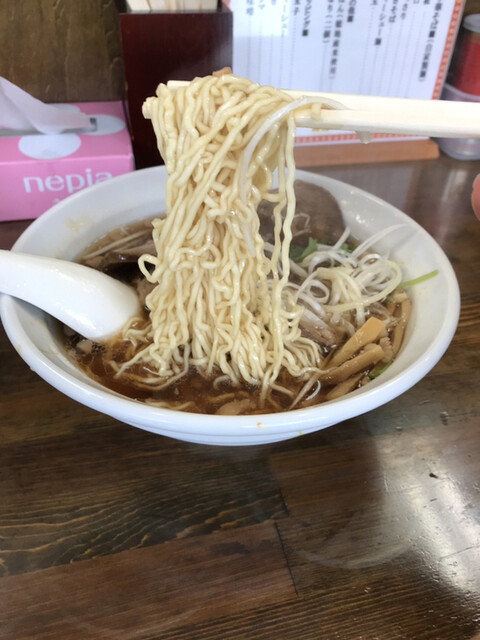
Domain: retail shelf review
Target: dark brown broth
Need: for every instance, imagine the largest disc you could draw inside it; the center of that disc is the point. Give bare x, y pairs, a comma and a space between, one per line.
200, 394
192, 388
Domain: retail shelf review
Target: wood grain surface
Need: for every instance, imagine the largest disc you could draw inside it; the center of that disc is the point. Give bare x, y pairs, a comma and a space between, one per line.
62, 50
368, 530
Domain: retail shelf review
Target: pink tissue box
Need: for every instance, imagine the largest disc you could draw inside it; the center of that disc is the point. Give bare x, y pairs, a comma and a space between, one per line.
37, 171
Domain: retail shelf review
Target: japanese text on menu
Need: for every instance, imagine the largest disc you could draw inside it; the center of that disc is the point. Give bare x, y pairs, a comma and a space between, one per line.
374, 47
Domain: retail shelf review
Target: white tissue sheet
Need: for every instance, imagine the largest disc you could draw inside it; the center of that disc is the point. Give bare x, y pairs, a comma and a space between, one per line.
21, 112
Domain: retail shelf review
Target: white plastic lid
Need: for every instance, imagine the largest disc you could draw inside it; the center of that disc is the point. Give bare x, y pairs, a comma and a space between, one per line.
472, 22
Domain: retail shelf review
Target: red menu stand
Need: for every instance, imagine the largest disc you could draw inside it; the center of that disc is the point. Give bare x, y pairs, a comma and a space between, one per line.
158, 47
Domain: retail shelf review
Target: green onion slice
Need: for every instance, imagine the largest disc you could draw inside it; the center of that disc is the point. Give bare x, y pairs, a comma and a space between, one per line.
426, 276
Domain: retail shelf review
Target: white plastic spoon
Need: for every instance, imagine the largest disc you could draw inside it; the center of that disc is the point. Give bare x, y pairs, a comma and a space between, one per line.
88, 301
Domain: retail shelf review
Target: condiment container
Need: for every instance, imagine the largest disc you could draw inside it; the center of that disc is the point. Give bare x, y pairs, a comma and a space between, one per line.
459, 148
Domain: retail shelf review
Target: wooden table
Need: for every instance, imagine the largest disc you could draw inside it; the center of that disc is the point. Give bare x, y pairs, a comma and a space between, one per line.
367, 530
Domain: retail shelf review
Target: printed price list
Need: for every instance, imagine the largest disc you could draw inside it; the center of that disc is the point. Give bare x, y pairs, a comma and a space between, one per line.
373, 47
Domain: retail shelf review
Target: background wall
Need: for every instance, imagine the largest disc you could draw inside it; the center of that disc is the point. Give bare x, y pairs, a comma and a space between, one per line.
69, 50
62, 50
472, 6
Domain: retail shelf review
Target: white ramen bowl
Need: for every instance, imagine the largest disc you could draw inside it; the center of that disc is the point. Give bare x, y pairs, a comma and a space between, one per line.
70, 226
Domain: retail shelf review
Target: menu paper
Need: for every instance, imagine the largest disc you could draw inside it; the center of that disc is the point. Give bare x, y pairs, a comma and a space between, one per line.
398, 48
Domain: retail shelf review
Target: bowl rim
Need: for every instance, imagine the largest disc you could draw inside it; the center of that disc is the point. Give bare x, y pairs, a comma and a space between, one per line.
169, 421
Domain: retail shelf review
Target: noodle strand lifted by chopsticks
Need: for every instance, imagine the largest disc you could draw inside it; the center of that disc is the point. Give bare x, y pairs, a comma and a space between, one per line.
216, 292
225, 303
